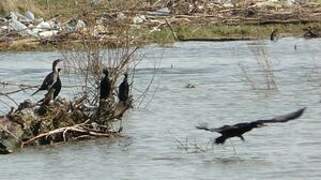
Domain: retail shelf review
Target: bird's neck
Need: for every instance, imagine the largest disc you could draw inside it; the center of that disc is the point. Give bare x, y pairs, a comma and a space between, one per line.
56, 72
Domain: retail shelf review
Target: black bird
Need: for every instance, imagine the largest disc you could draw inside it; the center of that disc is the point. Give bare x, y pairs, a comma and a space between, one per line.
274, 35
52, 80
237, 130
105, 85
123, 89
311, 33
4, 150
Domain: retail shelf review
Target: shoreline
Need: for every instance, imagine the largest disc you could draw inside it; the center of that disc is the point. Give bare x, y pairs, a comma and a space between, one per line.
151, 24
165, 36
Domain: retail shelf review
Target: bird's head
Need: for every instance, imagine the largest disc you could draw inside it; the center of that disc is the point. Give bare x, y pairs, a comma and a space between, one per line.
57, 65
105, 71
126, 75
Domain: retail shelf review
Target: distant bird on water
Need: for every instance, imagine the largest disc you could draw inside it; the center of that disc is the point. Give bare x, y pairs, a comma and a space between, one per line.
52, 80
237, 130
105, 85
123, 89
274, 35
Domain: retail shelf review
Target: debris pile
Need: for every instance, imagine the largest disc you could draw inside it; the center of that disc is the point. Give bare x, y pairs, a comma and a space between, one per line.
60, 121
28, 29
102, 94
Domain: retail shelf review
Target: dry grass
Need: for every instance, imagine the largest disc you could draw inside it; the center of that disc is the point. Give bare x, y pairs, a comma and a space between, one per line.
260, 77
93, 54
19, 5
72, 8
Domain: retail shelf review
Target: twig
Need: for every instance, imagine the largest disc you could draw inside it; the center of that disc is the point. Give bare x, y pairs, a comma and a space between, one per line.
11, 99
172, 30
10, 133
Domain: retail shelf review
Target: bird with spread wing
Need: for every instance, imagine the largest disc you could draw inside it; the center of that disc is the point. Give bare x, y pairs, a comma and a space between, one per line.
237, 130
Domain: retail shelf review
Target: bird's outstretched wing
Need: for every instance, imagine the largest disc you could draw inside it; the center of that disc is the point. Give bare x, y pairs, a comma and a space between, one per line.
283, 118
278, 119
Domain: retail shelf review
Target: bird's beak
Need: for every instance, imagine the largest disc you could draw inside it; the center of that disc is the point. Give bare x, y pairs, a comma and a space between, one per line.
261, 125
59, 66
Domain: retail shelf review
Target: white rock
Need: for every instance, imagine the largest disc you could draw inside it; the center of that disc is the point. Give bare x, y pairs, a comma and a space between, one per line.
155, 29
43, 26
30, 15
121, 16
139, 19
80, 25
13, 16
48, 34
17, 26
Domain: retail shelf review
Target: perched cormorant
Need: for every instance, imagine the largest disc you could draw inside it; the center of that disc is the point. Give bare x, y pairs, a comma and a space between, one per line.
274, 35
4, 150
52, 80
311, 33
237, 130
123, 89
105, 85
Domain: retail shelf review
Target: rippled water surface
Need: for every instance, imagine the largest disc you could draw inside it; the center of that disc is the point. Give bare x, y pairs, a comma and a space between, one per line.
221, 96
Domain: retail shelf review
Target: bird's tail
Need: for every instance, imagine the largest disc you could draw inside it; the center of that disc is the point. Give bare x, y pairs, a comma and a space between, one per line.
41, 100
203, 126
35, 92
220, 140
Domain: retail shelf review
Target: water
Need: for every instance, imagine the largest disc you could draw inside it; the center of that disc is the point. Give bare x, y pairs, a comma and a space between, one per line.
151, 151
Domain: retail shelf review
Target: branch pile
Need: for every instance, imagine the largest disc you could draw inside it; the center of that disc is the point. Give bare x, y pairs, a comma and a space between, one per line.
59, 121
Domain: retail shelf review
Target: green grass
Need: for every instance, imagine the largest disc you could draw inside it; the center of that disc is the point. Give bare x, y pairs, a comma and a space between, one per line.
224, 31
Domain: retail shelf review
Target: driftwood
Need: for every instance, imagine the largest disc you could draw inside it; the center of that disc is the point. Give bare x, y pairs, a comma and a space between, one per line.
75, 132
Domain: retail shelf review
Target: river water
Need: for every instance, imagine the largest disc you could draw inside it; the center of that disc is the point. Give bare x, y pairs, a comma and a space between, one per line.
162, 142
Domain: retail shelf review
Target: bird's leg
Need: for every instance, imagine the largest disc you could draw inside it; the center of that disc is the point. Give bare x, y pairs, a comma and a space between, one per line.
241, 137
121, 126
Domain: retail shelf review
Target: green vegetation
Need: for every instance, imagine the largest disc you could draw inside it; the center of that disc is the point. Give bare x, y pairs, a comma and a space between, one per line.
146, 32
222, 31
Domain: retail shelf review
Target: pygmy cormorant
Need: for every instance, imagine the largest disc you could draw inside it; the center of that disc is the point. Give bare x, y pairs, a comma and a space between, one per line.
52, 80
105, 85
123, 89
237, 130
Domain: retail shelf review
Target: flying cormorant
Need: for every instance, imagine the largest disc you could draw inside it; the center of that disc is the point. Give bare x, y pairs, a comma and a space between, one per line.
237, 130
123, 89
105, 85
52, 80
